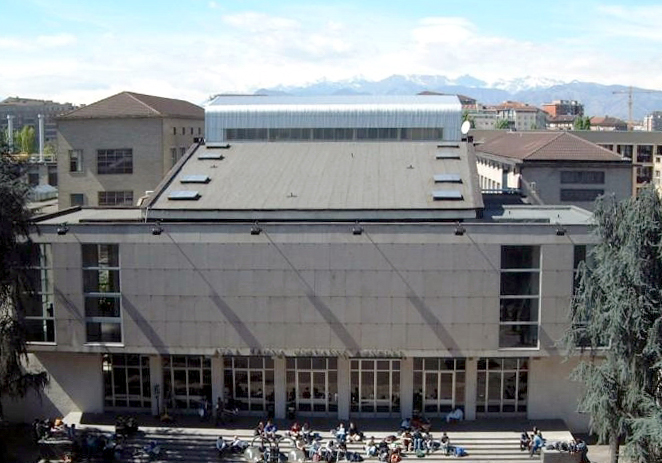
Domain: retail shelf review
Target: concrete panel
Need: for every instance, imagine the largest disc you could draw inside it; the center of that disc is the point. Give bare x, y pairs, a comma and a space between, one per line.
67, 392
552, 395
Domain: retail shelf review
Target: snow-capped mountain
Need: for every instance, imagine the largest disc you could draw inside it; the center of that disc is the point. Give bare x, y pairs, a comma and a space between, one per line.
598, 99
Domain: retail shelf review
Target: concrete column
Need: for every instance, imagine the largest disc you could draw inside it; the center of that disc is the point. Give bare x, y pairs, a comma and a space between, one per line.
217, 381
156, 380
470, 385
406, 387
344, 393
280, 387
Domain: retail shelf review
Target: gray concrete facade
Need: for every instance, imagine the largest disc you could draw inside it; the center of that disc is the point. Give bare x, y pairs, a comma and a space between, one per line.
402, 291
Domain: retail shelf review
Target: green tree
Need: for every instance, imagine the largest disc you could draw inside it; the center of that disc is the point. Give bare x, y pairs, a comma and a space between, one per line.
502, 124
467, 117
582, 123
15, 256
617, 313
25, 138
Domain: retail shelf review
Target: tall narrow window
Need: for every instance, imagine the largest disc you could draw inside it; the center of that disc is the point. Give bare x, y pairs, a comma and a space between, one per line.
520, 296
36, 298
75, 160
101, 288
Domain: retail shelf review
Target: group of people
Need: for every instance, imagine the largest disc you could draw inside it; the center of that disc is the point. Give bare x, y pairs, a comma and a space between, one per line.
47, 429
535, 442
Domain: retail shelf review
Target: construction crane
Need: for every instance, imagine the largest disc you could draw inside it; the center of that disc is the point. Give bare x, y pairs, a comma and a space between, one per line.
629, 92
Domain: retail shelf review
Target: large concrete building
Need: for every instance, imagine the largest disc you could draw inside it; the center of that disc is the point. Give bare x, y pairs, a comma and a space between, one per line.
111, 152
355, 277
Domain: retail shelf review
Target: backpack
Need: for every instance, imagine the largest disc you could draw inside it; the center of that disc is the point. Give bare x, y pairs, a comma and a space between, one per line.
420, 453
316, 457
460, 452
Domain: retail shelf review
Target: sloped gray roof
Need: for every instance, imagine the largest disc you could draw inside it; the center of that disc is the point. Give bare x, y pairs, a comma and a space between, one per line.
129, 104
327, 181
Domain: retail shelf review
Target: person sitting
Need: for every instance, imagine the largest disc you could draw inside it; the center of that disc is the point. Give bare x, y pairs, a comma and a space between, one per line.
417, 438
524, 441
354, 433
371, 448
420, 423
407, 441
270, 430
395, 455
455, 415
221, 445
537, 443
405, 425
341, 433
295, 430
237, 445
259, 430
314, 448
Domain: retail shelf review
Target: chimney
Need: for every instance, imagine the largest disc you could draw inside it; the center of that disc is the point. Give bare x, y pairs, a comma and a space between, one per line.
41, 137
10, 132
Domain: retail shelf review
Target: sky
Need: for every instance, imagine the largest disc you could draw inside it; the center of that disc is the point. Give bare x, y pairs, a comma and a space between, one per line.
81, 51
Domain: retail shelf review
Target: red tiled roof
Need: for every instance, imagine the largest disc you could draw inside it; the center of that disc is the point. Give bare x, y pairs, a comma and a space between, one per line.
129, 104
545, 146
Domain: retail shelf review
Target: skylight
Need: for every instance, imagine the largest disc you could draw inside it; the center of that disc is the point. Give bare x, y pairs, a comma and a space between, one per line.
447, 178
195, 179
448, 153
440, 195
184, 195
211, 156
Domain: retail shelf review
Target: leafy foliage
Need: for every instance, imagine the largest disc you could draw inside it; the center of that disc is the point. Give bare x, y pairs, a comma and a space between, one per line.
619, 304
502, 124
25, 139
14, 241
582, 123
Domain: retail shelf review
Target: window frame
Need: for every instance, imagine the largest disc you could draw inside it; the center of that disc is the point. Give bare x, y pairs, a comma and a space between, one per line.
114, 161
533, 295
100, 294
45, 293
75, 158
127, 200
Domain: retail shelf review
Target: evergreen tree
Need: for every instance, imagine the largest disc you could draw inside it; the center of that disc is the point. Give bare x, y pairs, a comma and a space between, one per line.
617, 315
15, 256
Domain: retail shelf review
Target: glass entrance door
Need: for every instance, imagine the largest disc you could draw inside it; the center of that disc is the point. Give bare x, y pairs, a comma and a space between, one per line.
375, 387
312, 385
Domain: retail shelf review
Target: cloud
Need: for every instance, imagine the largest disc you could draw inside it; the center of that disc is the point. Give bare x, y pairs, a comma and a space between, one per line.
54, 41
243, 51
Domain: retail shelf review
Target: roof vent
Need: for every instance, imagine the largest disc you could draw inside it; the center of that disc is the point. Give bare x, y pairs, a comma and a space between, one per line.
447, 178
184, 195
447, 195
219, 147
448, 153
195, 179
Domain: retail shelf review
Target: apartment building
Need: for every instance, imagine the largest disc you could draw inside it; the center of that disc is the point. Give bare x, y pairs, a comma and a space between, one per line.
111, 152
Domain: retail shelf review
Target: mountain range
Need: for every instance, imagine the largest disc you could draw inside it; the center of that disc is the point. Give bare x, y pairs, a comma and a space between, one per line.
598, 99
